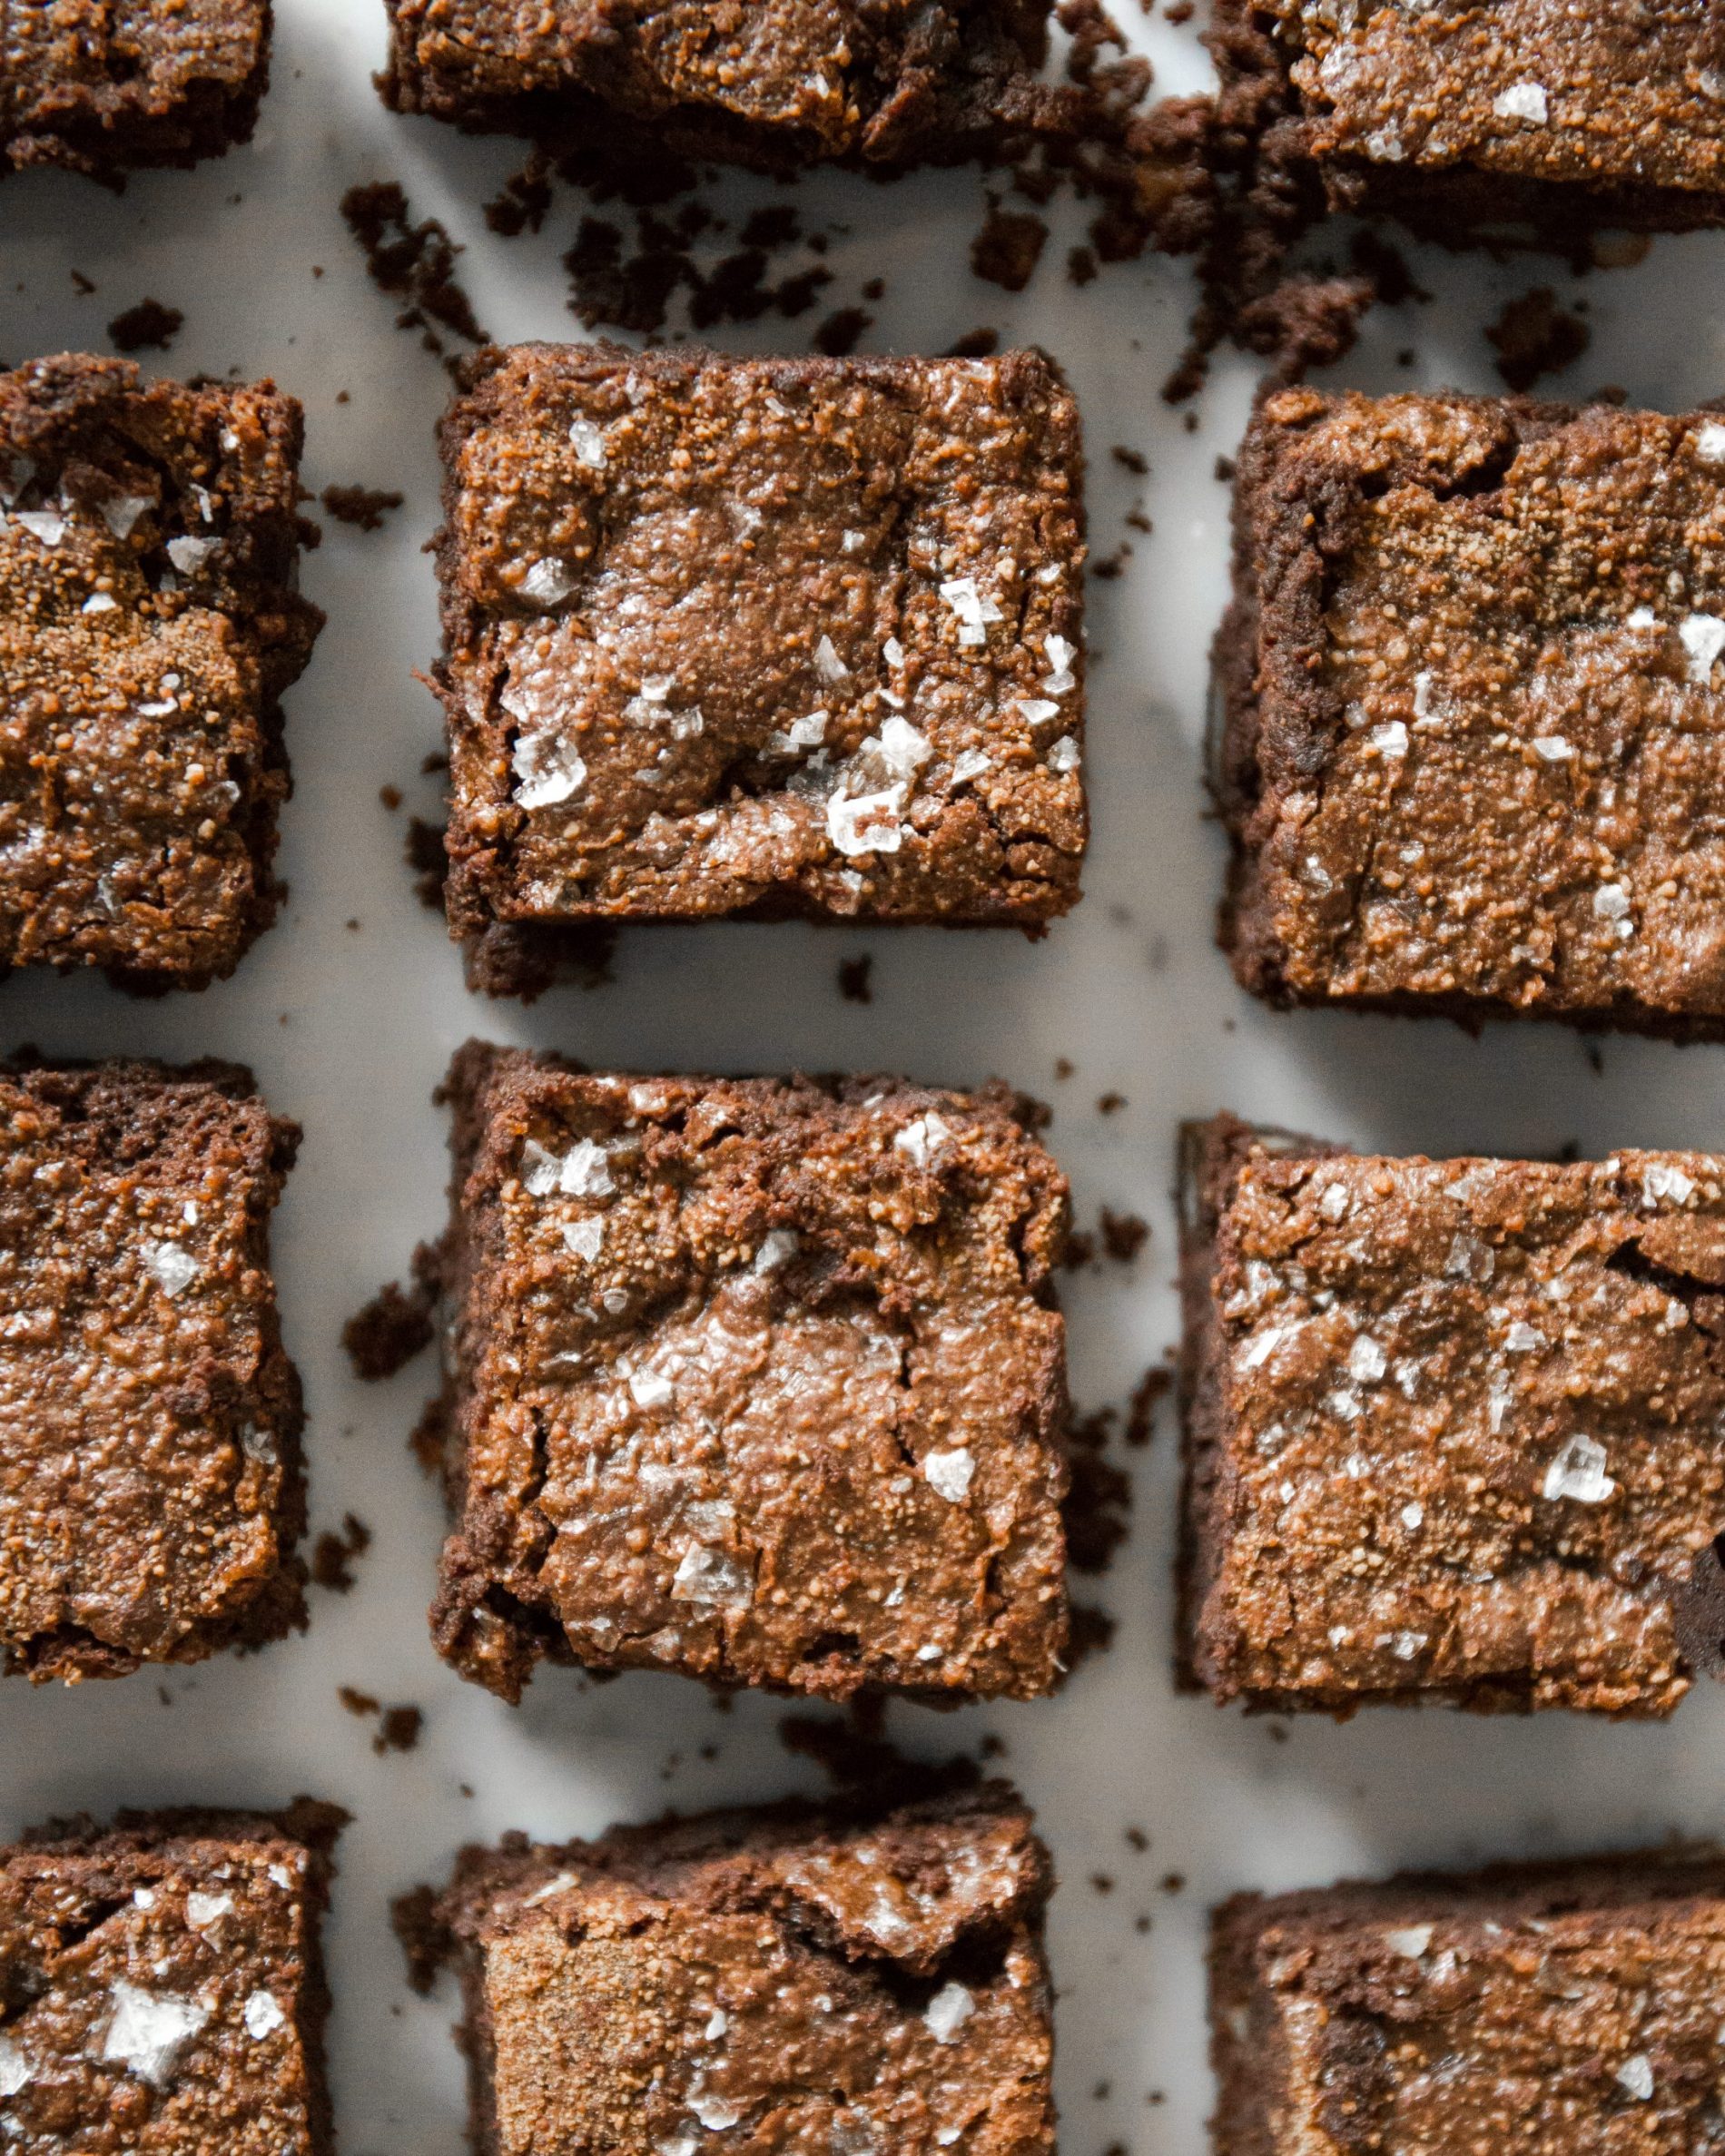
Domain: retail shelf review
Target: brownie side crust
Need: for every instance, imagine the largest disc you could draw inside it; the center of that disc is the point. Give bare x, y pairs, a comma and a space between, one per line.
164, 1984
1543, 2007
1465, 761
759, 1381
760, 637
149, 625
155, 1491
819, 1979
101, 90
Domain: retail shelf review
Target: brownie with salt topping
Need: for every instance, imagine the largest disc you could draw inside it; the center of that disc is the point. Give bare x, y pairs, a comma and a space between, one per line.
757, 1381
1468, 684
149, 624
161, 1987
1545, 2008
153, 1490
799, 1979
1454, 1429
758, 636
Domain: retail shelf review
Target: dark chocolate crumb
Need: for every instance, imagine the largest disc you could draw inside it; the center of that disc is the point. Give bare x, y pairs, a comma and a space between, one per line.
1135, 460
853, 978
1064, 1066
399, 1730
1081, 267
414, 263
149, 325
1009, 246
391, 797
357, 1702
363, 506
428, 860
840, 331
332, 1555
1140, 1409
1100, 1497
426, 1942
82, 284
1124, 1234
1533, 336
855, 1752
386, 1335
521, 205
975, 344
1173, 1882
1110, 1104
1081, 1250
1101, 1881
1225, 470
1136, 1838
1093, 1634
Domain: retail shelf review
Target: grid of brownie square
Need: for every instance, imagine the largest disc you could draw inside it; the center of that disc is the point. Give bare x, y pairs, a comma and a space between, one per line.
163, 1985
149, 542
1545, 2008
760, 636
1453, 1427
153, 1489
1470, 672
787, 1979
760, 1381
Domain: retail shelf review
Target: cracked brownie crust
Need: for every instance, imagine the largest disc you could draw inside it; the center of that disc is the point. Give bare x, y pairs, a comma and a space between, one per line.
1469, 681
755, 1380
148, 624
762, 636
1453, 1427
149, 1417
820, 1981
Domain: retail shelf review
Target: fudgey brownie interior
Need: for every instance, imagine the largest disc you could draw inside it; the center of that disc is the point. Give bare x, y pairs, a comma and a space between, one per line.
101, 85
162, 1988
1545, 2008
1455, 1429
149, 1417
1470, 676
149, 544
759, 637
822, 1983
755, 1380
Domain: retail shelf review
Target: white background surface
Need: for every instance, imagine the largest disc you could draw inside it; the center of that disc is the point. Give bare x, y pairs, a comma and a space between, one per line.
349, 1030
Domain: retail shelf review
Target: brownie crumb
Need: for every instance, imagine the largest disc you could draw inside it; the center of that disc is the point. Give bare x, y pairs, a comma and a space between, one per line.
1534, 336
1124, 1234
1009, 246
1110, 1104
429, 860
83, 286
399, 1730
1697, 1612
1140, 1409
1082, 266
332, 1555
1093, 1634
841, 332
425, 1940
1134, 460
1136, 1838
1224, 470
357, 1702
975, 344
854, 984
521, 204
392, 1329
391, 797
362, 506
148, 326
414, 263
1101, 1495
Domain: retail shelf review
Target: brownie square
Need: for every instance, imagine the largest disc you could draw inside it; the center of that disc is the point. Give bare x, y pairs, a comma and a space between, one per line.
778, 86
102, 88
1469, 679
1545, 2008
790, 1978
161, 1987
154, 1490
760, 636
149, 544
1497, 122
1454, 1429
760, 1381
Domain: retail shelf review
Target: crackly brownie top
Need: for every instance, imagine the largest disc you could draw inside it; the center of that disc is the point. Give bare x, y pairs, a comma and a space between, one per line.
142, 1393
785, 1982
1578, 2010
147, 623
150, 1991
1618, 93
1471, 1422
1489, 643
723, 631
760, 1381
79, 64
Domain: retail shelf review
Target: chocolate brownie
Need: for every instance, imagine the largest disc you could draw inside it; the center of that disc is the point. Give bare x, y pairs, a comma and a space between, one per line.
149, 542
102, 87
760, 636
1468, 681
1546, 2008
161, 1987
1490, 120
1454, 1429
154, 1490
757, 1380
792, 1979
776, 86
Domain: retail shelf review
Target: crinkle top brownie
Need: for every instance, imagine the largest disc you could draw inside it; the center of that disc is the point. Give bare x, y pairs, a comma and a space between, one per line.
149, 544
1473, 762
150, 1479
763, 636
808, 1982
101, 85
1456, 1425
777, 83
754, 1380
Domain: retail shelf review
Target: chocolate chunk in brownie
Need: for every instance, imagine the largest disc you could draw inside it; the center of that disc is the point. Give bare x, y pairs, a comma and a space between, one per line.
1545, 2008
1455, 1429
1498, 120
162, 1987
776, 86
759, 637
154, 1490
794, 1978
1469, 679
757, 1380
102, 88
149, 544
